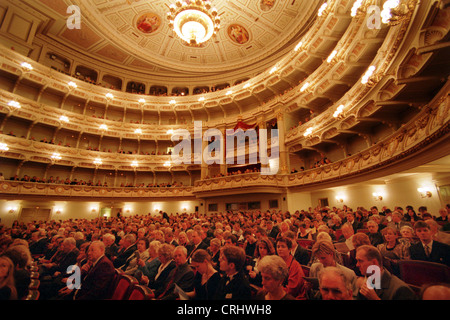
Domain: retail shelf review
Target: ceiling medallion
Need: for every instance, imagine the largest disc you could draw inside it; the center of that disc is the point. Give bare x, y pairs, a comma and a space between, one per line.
193, 21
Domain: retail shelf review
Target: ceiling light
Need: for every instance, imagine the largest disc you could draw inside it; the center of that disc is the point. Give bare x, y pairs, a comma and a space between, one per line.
331, 56
368, 74
308, 132
194, 22
356, 5
304, 87
386, 12
322, 9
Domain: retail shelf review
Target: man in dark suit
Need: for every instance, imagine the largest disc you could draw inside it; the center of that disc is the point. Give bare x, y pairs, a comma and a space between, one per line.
298, 252
97, 276
182, 275
198, 243
397, 221
428, 249
165, 256
38, 244
386, 285
272, 230
127, 248
351, 220
69, 253
111, 248
234, 285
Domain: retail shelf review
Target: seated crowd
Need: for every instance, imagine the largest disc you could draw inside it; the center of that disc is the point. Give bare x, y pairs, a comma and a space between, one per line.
314, 254
90, 183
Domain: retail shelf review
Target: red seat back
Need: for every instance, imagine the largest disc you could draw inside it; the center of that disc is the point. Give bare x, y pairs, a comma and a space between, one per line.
305, 243
123, 287
139, 292
418, 273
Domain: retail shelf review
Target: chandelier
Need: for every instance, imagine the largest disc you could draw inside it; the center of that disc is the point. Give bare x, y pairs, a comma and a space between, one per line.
193, 21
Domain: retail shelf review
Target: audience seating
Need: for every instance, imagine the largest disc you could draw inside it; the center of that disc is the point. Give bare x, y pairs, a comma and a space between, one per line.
34, 284
305, 270
33, 295
305, 243
123, 287
140, 292
418, 273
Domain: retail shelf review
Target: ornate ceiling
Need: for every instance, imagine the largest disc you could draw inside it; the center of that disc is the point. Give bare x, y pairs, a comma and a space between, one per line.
134, 34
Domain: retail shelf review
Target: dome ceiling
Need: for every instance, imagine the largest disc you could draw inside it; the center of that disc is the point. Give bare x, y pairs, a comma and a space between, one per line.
134, 34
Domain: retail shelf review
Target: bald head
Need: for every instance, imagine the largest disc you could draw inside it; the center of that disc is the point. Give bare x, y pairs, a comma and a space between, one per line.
436, 292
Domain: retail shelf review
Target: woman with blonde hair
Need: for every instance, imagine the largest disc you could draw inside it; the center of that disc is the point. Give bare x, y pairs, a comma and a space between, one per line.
7, 286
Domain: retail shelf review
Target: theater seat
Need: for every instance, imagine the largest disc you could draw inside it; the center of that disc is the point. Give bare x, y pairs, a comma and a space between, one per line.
305, 270
418, 273
140, 292
33, 295
123, 287
305, 243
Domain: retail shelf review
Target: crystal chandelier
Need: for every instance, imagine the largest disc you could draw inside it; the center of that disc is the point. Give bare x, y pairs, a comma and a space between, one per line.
193, 21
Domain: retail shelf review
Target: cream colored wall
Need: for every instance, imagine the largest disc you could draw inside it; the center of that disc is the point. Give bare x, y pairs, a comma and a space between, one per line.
400, 192
298, 201
84, 209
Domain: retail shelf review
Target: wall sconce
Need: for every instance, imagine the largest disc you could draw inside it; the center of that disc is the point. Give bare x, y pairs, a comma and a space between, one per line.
127, 210
304, 87
93, 210
12, 210
424, 192
55, 157
64, 119
109, 96
58, 210
14, 104
377, 196
72, 85
142, 101
340, 199
26, 66
3, 147
98, 162
167, 164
